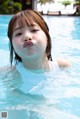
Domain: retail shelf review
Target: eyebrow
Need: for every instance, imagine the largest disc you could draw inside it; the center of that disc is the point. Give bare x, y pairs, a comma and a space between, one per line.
17, 28
32, 25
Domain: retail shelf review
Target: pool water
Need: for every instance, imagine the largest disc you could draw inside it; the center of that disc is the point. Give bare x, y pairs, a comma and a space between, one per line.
62, 92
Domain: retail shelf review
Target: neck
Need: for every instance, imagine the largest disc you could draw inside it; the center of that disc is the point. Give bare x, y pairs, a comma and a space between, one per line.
39, 65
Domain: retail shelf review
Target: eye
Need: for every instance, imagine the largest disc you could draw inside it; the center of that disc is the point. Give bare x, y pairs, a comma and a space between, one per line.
34, 30
18, 34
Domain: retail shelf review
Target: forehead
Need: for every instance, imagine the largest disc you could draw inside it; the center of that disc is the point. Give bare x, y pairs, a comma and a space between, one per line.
18, 27
25, 22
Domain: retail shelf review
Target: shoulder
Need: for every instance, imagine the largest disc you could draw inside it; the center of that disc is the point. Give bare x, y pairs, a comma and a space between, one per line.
63, 62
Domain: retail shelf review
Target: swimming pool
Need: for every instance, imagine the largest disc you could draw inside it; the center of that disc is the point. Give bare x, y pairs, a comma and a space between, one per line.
63, 90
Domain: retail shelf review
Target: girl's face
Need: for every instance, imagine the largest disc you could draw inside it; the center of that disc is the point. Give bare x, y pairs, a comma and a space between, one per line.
29, 41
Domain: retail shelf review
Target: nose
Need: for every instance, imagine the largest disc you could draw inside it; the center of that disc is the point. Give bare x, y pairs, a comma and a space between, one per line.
27, 36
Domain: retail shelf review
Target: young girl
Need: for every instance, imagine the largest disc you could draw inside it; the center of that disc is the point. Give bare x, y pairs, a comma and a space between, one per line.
30, 41
30, 48
30, 51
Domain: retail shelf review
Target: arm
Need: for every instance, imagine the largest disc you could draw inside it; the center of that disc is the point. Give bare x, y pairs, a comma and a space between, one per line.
63, 62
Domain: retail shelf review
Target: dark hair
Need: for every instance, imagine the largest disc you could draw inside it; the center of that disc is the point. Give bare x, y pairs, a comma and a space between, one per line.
23, 18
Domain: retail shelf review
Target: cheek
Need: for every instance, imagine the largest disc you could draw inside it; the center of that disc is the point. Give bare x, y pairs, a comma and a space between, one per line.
43, 43
16, 44
44, 38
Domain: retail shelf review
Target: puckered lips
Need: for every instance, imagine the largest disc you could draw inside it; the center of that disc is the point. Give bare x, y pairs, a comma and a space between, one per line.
28, 44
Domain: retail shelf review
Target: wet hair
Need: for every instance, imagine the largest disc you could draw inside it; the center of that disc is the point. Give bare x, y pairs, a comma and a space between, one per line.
23, 18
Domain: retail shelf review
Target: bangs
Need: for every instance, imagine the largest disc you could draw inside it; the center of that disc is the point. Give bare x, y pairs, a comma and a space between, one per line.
24, 19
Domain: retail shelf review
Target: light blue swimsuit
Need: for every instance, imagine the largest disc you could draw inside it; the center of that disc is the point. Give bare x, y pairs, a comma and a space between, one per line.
33, 82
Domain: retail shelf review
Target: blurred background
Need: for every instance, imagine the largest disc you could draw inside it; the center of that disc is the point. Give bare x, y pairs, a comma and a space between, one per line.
50, 7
